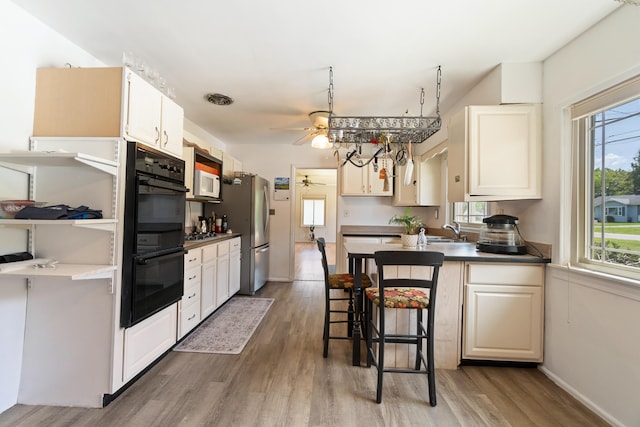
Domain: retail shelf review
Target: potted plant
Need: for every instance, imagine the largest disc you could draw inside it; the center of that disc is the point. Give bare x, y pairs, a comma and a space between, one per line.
411, 224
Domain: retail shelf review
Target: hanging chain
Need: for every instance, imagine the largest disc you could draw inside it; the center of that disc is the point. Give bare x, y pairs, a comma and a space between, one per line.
439, 80
330, 93
421, 100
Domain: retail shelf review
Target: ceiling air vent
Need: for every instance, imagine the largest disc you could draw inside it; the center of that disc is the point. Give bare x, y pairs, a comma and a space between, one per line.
218, 99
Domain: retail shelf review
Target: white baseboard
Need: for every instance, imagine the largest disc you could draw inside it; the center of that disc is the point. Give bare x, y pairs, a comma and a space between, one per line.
580, 397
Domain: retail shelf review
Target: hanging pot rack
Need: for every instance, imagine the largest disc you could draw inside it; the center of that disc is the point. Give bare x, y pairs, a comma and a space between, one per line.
390, 133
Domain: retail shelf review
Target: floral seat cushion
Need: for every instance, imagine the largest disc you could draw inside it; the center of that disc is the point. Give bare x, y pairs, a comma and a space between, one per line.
345, 281
400, 297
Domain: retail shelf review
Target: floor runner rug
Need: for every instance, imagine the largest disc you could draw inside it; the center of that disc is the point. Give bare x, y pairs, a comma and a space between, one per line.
229, 329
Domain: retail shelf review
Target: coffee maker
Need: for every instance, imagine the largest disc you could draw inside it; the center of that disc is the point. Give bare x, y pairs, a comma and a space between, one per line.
500, 235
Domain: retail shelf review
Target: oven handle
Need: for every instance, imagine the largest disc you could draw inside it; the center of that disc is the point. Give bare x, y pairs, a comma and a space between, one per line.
145, 180
144, 259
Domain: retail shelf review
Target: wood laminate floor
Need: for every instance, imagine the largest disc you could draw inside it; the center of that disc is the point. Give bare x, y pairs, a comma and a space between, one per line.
281, 379
308, 262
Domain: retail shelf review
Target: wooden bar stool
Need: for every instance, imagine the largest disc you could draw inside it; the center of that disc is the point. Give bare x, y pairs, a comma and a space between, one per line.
333, 282
415, 293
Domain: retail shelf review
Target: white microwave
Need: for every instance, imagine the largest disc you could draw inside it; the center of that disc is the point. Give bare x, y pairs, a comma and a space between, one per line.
206, 184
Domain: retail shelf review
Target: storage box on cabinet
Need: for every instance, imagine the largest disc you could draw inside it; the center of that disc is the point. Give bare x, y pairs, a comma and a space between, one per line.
106, 102
503, 312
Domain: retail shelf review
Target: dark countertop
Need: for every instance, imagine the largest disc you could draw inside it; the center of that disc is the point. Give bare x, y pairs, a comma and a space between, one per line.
371, 230
193, 244
452, 252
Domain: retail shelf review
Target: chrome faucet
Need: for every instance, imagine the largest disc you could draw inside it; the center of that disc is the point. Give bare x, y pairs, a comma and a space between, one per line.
456, 229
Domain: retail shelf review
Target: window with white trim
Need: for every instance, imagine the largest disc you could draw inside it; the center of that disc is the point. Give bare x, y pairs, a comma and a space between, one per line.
313, 210
470, 213
606, 134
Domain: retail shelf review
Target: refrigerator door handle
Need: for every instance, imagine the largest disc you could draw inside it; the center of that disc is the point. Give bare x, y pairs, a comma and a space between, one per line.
265, 190
263, 249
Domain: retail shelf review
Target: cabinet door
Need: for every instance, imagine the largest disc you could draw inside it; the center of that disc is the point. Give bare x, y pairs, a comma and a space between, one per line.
147, 340
504, 150
353, 180
208, 280
172, 127
457, 157
503, 323
208, 290
429, 181
376, 185
234, 267
405, 195
222, 280
143, 112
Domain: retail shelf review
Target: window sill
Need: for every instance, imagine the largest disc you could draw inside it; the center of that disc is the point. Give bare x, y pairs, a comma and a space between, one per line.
604, 282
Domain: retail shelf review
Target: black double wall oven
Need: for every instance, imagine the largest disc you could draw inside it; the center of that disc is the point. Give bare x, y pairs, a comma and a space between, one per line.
153, 253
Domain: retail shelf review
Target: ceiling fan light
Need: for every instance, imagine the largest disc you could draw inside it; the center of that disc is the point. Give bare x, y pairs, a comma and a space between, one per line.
320, 141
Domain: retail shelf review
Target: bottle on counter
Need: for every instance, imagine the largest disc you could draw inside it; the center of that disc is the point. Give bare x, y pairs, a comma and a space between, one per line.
218, 225
225, 224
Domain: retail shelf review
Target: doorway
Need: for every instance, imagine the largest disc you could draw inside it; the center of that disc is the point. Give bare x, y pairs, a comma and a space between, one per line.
315, 216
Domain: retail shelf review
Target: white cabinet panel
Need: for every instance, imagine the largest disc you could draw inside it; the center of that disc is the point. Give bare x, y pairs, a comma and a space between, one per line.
234, 266
495, 153
208, 300
143, 112
147, 340
172, 124
503, 312
364, 181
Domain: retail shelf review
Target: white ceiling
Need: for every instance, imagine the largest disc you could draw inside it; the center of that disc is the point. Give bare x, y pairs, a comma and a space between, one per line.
273, 56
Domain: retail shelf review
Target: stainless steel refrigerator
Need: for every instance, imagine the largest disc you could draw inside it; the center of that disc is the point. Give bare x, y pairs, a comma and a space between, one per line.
247, 208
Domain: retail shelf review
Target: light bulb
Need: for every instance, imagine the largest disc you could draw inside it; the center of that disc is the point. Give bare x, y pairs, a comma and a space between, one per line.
320, 141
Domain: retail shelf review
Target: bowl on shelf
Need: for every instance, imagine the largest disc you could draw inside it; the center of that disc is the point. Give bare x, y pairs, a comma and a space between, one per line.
9, 208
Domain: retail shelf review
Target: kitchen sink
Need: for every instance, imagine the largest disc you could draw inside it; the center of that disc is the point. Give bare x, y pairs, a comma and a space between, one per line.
444, 239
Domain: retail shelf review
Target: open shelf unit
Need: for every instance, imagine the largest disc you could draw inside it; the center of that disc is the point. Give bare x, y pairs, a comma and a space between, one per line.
53, 164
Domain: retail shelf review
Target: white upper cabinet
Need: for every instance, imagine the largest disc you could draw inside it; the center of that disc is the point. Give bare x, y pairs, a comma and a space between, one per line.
143, 112
106, 102
424, 184
172, 124
152, 117
365, 181
495, 153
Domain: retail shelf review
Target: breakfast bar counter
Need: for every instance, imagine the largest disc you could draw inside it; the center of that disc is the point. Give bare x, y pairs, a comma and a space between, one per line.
448, 322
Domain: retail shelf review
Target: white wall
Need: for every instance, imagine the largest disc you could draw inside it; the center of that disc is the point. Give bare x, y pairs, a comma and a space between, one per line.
25, 44
592, 336
328, 231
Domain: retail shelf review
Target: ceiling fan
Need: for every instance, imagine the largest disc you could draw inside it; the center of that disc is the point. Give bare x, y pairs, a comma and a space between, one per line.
306, 182
319, 126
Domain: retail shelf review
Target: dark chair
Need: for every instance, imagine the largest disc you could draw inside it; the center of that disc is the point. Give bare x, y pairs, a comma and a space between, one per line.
333, 282
417, 293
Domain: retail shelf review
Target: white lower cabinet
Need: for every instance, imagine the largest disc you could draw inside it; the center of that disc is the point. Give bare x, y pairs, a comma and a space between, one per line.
222, 274
234, 266
208, 281
212, 276
189, 306
503, 312
147, 340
